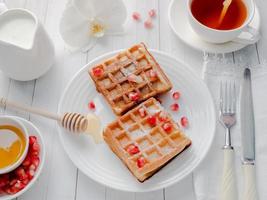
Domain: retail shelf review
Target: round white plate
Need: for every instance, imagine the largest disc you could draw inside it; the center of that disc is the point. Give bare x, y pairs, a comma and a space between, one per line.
33, 130
179, 23
101, 165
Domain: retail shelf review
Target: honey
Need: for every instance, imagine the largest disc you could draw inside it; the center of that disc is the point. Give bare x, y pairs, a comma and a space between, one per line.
12, 145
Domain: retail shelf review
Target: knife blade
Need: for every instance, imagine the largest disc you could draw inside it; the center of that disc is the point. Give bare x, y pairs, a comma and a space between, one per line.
248, 139
247, 119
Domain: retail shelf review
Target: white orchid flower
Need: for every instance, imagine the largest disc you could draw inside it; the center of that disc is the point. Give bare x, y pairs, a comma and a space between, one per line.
84, 21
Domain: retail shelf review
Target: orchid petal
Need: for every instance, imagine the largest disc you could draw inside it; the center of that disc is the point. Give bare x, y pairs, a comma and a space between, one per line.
75, 29
86, 7
111, 12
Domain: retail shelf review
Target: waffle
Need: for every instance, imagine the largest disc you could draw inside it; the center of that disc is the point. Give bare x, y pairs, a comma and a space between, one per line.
129, 78
145, 147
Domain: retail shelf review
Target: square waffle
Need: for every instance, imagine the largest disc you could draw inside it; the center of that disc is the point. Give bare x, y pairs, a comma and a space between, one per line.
145, 139
129, 78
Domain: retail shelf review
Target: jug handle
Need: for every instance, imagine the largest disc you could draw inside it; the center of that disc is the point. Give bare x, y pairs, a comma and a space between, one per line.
3, 7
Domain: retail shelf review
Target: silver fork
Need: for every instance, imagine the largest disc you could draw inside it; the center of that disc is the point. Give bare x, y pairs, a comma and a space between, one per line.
228, 120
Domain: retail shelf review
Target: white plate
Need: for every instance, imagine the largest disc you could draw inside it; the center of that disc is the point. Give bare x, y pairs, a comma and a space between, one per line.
33, 130
179, 23
101, 165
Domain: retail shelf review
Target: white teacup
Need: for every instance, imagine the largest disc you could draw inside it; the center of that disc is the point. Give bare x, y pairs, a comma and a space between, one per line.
243, 34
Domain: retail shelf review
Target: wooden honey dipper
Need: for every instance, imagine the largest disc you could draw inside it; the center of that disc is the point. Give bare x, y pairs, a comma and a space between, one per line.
73, 122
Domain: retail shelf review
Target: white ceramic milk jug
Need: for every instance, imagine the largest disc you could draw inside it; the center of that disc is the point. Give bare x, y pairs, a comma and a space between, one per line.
26, 51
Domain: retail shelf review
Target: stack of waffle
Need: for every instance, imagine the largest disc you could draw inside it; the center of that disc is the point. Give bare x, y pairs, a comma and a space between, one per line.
146, 137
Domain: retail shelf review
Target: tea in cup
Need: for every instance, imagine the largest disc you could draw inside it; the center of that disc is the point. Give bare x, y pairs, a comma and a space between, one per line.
14, 144
204, 17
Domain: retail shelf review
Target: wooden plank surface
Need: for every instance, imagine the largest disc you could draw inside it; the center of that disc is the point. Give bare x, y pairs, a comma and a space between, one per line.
60, 178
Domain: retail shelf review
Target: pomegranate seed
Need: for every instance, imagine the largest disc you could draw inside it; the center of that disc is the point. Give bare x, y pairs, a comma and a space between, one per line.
25, 181
148, 24
2, 191
20, 172
98, 71
141, 162
32, 139
35, 148
136, 16
30, 173
184, 121
133, 149
134, 96
35, 161
4, 180
152, 13
175, 107
167, 127
152, 120
32, 167
142, 112
19, 185
91, 105
13, 182
163, 116
11, 190
153, 74
176, 95
27, 161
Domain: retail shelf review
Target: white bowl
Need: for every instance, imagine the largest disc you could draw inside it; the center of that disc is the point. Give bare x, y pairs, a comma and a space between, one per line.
8, 120
33, 131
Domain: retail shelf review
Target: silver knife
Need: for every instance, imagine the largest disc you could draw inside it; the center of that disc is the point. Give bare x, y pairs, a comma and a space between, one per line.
248, 138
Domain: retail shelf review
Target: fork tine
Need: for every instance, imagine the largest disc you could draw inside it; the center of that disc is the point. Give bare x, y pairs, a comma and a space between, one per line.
225, 97
231, 91
221, 97
228, 97
231, 98
234, 99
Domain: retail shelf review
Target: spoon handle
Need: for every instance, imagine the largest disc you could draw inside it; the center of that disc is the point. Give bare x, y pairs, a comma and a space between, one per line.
4, 102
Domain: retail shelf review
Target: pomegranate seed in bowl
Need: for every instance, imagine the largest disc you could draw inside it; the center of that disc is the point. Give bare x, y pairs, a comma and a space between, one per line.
16, 180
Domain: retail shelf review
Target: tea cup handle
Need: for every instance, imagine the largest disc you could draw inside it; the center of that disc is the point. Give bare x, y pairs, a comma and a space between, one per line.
249, 36
3, 7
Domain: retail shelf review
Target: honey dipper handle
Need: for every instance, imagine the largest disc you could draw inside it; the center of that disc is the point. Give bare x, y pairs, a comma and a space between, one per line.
4, 102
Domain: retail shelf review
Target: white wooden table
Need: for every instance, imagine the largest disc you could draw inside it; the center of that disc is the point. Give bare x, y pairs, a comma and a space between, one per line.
60, 178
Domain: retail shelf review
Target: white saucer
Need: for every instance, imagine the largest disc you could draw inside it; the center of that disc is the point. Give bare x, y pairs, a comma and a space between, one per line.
179, 23
34, 131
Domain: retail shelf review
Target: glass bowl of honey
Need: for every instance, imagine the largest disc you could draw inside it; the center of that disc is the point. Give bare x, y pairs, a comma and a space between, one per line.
14, 143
